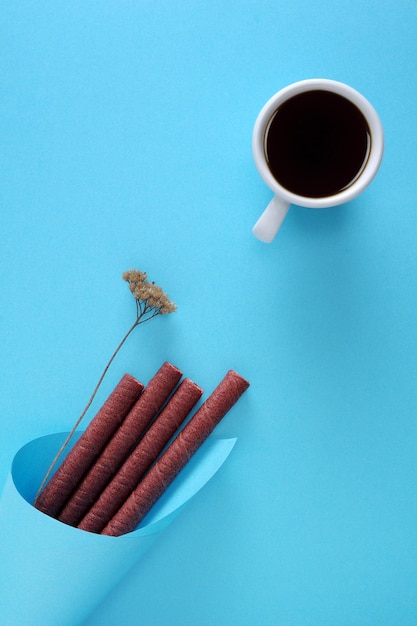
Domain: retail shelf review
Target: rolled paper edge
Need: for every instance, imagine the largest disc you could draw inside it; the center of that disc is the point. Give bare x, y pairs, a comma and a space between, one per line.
77, 568
20, 486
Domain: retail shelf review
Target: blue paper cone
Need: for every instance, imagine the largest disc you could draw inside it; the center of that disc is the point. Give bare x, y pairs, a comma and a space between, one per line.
52, 574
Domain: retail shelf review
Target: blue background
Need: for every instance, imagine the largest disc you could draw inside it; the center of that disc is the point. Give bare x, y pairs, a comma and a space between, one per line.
126, 142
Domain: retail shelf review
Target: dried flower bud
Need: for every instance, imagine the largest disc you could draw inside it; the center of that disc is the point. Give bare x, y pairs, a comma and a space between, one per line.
147, 293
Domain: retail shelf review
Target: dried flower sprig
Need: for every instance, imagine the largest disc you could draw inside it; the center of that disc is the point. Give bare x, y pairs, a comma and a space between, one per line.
150, 301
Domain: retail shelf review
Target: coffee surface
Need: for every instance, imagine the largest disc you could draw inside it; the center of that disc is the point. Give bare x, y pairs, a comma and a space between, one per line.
317, 143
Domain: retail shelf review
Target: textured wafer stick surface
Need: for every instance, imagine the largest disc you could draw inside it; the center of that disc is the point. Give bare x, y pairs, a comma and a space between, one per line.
142, 457
177, 454
97, 434
150, 402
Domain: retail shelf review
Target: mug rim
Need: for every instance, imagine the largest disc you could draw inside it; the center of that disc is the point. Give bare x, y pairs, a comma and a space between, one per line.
375, 153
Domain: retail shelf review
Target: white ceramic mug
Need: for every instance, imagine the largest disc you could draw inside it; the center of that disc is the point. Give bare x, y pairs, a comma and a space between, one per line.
270, 221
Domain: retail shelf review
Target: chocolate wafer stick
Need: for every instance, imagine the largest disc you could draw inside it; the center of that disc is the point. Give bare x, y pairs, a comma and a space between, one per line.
142, 457
177, 454
151, 401
97, 434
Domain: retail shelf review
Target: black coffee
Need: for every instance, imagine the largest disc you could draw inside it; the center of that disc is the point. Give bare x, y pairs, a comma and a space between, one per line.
317, 143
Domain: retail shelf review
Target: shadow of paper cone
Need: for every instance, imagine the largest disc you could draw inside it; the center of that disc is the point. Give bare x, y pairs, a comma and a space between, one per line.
53, 574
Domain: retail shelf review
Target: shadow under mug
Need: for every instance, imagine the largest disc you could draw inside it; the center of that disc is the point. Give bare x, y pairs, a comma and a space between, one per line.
270, 221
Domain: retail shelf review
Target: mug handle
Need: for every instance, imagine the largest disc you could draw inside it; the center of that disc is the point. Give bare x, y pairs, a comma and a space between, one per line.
271, 219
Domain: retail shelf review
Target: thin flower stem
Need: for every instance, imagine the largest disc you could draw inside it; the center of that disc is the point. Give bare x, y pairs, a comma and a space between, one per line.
150, 302
139, 320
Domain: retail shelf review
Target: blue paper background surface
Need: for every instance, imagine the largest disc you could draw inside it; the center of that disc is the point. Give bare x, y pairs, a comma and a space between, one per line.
126, 142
